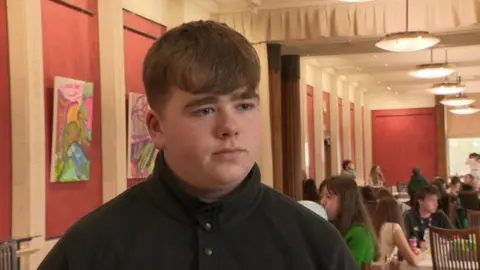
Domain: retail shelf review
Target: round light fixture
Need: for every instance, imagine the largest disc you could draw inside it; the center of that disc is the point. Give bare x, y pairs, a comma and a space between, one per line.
433, 70
447, 88
464, 110
407, 41
457, 101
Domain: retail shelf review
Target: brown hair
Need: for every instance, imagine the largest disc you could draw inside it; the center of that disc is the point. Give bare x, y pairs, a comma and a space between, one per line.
199, 57
387, 210
376, 176
384, 193
424, 191
352, 210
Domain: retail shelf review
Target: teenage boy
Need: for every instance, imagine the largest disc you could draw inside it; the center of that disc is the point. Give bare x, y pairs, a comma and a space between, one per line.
424, 213
204, 206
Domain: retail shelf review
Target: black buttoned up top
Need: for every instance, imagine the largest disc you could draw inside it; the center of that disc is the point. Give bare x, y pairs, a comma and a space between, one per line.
156, 225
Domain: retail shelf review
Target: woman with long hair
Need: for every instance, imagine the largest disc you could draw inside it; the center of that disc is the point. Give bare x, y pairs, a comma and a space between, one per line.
343, 203
389, 227
375, 177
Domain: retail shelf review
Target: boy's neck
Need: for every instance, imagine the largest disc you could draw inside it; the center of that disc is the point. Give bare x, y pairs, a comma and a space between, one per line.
423, 213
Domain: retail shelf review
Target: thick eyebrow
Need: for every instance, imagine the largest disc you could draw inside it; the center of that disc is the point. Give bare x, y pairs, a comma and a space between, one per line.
202, 101
244, 96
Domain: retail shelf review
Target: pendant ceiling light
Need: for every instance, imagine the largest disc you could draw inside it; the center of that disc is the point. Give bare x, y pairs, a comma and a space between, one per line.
434, 70
408, 41
464, 110
457, 101
448, 88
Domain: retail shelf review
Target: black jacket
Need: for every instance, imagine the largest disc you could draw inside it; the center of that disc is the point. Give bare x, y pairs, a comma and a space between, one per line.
416, 226
155, 225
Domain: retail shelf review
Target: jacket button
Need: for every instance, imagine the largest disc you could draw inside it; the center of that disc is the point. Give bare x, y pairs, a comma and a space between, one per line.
208, 251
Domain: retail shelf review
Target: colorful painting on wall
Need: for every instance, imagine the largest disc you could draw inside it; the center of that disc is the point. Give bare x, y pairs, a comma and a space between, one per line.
72, 130
141, 152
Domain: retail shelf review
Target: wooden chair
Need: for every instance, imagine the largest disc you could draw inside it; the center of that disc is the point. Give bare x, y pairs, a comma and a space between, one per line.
469, 200
8, 256
449, 205
473, 218
455, 249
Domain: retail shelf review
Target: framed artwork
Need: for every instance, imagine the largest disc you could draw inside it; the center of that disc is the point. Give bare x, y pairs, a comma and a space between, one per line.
141, 152
72, 130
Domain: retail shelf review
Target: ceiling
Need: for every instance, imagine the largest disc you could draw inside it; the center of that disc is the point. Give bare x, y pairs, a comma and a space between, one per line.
377, 70
373, 69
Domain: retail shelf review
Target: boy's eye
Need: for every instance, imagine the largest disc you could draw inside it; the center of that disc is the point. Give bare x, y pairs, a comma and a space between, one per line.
204, 111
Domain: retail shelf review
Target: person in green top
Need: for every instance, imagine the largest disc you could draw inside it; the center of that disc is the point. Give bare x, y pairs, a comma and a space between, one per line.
343, 203
416, 182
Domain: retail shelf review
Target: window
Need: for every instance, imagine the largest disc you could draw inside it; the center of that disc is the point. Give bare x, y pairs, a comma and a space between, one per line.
458, 151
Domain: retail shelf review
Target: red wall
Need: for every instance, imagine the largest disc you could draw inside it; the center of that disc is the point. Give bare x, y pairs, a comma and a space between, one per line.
5, 132
136, 47
326, 115
352, 131
70, 49
311, 132
340, 128
403, 139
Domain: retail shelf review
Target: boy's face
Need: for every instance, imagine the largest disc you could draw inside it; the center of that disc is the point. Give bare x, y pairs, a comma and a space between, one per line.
211, 142
429, 204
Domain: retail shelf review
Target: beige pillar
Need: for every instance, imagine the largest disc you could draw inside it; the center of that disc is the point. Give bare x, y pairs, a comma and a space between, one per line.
335, 88
360, 163
28, 125
265, 162
319, 132
347, 146
175, 16
112, 83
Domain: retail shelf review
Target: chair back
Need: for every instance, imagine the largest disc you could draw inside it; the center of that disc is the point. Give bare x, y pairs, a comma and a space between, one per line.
449, 205
8, 256
473, 218
455, 249
469, 200
402, 187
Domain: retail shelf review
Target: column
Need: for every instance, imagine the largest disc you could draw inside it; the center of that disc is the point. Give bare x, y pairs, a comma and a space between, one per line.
441, 136
276, 121
265, 161
291, 114
112, 83
303, 116
359, 140
347, 146
28, 125
336, 85
318, 114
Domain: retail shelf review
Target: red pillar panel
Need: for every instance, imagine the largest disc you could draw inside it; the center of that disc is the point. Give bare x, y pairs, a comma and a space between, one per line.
139, 34
403, 139
5, 132
70, 49
311, 132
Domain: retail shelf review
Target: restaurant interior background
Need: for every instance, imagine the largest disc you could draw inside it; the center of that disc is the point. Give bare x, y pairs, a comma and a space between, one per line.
347, 98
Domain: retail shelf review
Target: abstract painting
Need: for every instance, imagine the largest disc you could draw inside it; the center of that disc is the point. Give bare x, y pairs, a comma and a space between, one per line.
141, 152
72, 130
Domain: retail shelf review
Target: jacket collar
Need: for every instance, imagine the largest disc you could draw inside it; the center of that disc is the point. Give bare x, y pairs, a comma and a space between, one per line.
165, 190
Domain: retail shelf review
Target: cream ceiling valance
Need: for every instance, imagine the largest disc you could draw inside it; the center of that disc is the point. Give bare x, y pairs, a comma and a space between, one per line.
349, 20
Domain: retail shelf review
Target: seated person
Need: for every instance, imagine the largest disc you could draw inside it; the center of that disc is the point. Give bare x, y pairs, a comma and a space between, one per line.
384, 193
389, 226
455, 185
343, 203
424, 214
368, 194
469, 184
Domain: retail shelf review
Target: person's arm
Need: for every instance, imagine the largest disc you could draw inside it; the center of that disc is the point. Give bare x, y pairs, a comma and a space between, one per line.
359, 243
404, 248
445, 221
